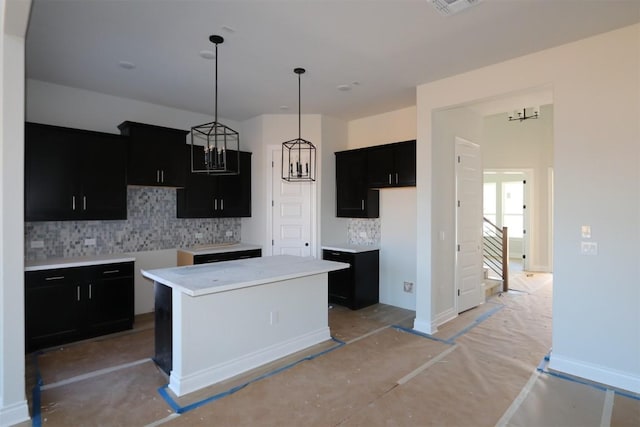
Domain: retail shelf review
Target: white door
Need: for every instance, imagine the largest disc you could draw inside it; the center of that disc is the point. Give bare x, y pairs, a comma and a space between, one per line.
291, 212
468, 225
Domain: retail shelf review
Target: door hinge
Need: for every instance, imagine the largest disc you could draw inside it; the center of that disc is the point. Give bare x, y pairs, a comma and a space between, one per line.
524, 231
524, 181
458, 159
272, 243
524, 206
272, 204
272, 164
458, 292
458, 203
524, 256
458, 248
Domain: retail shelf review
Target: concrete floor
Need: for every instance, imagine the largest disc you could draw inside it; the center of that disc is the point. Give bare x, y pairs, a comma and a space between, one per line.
479, 370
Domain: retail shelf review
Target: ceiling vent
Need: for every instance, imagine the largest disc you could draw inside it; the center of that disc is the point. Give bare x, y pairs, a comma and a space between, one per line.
450, 7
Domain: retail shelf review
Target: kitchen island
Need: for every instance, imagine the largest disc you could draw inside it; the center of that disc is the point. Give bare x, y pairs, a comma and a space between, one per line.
215, 321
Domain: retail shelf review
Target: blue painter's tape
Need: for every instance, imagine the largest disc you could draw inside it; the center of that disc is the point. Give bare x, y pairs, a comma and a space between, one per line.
542, 367
421, 334
36, 417
182, 409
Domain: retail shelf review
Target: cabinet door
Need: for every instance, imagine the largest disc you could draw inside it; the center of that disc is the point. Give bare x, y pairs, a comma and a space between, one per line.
109, 298
103, 178
156, 155
353, 198
234, 191
51, 189
53, 308
380, 167
405, 163
197, 198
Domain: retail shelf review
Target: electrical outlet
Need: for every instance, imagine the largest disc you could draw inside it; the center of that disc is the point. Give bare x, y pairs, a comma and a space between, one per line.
588, 248
37, 244
408, 287
199, 235
90, 242
363, 234
229, 233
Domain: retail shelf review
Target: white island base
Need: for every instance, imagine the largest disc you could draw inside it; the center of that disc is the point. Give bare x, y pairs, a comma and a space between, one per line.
230, 317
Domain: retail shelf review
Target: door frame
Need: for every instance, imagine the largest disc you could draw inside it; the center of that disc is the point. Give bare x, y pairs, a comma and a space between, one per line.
269, 182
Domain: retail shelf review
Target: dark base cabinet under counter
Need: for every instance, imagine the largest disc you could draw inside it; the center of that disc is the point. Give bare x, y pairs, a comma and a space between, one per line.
358, 286
71, 300
218, 253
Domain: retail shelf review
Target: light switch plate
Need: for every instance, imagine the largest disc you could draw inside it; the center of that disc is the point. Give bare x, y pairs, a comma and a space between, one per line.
229, 233
37, 244
588, 248
586, 231
90, 242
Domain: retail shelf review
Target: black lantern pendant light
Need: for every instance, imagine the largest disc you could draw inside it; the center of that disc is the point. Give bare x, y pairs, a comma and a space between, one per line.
215, 148
298, 155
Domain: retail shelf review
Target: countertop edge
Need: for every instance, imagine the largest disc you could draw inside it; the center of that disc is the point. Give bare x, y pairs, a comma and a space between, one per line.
350, 248
54, 263
220, 249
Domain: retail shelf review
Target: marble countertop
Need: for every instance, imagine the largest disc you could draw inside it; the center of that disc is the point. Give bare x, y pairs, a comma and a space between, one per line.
51, 263
346, 247
219, 248
203, 279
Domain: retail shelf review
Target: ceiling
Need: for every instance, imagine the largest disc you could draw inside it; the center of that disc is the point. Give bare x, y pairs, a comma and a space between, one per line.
378, 50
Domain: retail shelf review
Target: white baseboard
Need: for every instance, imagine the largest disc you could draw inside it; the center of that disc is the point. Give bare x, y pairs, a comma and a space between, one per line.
215, 374
597, 373
13, 414
426, 327
447, 315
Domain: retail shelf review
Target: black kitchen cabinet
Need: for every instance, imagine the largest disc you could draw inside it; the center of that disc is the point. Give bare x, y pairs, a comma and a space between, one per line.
353, 198
357, 286
73, 174
156, 155
68, 304
226, 256
392, 165
217, 196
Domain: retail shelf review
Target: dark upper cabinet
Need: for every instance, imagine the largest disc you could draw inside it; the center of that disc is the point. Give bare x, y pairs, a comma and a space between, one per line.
353, 197
156, 155
392, 165
216, 196
73, 174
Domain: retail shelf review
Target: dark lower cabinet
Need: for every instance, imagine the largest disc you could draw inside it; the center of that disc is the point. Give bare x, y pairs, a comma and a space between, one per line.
357, 286
69, 304
226, 256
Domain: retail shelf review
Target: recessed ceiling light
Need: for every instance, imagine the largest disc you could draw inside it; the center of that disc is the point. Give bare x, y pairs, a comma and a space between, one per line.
355, 83
284, 107
344, 88
126, 65
207, 54
228, 29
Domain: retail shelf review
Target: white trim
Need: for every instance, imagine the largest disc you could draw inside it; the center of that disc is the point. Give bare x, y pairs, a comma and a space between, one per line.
447, 315
206, 377
426, 327
596, 373
14, 413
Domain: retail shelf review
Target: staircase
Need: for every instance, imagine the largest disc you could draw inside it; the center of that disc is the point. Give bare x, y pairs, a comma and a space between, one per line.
495, 256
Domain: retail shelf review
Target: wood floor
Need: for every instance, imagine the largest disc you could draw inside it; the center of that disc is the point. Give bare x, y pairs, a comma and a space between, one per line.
484, 368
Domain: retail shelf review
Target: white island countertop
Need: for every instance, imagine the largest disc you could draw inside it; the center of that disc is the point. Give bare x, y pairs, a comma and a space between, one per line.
347, 247
203, 279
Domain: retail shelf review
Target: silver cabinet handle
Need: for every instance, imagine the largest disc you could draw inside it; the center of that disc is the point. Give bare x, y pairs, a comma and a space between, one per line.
396, 177
54, 278
89, 290
111, 271
221, 204
78, 292
335, 253
215, 204
73, 203
162, 175
389, 178
157, 175
362, 204
84, 203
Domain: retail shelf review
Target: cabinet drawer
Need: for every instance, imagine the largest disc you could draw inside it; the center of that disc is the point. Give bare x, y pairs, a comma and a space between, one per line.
113, 271
227, 256
53, 277
331, 255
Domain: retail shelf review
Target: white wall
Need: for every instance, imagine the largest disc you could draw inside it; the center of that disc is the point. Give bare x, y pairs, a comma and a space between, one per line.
397, 207
596, 320
13, 24
334, 138
526, 145
448, 124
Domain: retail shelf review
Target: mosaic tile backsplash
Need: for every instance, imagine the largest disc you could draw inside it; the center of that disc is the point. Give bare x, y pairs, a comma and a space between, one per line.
364, 232
151, 224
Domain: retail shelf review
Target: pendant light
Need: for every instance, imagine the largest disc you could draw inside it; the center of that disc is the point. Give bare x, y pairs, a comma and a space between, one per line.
215, 148
298, 155
521, 115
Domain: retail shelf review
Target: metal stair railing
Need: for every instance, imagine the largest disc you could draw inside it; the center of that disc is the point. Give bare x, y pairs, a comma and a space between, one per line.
495, 251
